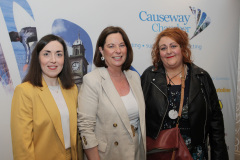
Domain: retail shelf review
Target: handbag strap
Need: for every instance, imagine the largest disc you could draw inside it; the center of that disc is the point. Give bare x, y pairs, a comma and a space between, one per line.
182, 95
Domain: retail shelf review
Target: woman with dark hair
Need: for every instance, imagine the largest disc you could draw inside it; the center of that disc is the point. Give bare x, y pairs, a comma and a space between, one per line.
201, 117
44, 115
111, 109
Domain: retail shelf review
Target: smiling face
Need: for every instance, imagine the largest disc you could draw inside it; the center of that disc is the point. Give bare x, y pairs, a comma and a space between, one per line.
114, 51
170, 53
51, 59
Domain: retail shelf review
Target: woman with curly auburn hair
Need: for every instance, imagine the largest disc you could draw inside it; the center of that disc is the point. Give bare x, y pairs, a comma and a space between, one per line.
180, 37
201, 117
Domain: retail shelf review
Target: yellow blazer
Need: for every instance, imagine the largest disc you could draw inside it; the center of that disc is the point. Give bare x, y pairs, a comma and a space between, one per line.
36, 126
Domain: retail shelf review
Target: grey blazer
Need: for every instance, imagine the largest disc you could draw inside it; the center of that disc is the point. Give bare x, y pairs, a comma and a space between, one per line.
102, 117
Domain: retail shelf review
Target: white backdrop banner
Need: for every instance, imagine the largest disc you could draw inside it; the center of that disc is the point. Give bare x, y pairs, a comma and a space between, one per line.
213, 28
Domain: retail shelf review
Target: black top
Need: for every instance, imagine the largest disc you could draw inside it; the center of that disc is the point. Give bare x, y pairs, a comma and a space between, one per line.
174, 97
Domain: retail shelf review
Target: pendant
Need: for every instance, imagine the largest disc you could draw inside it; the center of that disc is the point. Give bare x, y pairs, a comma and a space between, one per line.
173, 114
169, 85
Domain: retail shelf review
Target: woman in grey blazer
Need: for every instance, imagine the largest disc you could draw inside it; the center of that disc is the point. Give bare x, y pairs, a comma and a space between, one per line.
111, 109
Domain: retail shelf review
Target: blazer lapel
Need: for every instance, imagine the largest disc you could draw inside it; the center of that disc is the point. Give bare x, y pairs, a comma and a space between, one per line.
52, 109
137, 91
115, 99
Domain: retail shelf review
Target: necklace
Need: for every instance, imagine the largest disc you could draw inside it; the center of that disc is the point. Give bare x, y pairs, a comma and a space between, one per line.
170, 79
54, 88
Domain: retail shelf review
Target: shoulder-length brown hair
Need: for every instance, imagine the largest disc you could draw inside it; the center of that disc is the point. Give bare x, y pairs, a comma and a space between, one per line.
102, 40
178, 35
34, 74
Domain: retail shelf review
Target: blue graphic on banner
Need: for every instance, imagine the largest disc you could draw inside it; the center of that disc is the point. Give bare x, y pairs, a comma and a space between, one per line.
202, 20
23, 35
5, 79
70, 33
79, 47
134, 69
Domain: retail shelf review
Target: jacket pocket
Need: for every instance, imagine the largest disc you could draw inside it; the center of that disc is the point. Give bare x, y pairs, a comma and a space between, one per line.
102, 146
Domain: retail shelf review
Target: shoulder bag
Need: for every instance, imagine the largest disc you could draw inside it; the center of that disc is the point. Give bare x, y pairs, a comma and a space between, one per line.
169, 144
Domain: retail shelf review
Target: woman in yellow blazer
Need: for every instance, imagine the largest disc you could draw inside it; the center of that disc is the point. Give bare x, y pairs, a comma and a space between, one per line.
43, 114
111, 108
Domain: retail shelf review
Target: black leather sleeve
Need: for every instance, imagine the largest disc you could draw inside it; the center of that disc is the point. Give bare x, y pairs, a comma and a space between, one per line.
216, 128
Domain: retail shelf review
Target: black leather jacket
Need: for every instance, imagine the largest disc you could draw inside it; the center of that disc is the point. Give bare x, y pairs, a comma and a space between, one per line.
205, 116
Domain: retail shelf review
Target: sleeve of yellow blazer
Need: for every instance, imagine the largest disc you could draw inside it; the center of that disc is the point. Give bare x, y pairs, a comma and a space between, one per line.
22, 123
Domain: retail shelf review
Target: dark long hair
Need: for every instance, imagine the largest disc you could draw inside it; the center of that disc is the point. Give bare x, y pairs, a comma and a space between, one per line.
34, 75
102, 40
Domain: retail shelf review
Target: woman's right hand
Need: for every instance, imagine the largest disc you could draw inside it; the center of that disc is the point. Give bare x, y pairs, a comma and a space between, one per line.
92, 153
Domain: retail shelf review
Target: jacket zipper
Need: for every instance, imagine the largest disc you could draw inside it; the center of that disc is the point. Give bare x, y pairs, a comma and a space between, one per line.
205, 108
206, 113
166, 109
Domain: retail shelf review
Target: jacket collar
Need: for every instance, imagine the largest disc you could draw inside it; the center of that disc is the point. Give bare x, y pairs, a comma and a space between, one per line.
195, 86
159, 70
196, 71
159, 78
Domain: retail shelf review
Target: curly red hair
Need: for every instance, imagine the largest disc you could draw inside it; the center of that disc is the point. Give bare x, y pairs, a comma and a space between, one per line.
178, 35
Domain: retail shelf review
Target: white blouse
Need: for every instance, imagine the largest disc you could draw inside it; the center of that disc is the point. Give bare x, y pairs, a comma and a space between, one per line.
64, 113
132, 108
